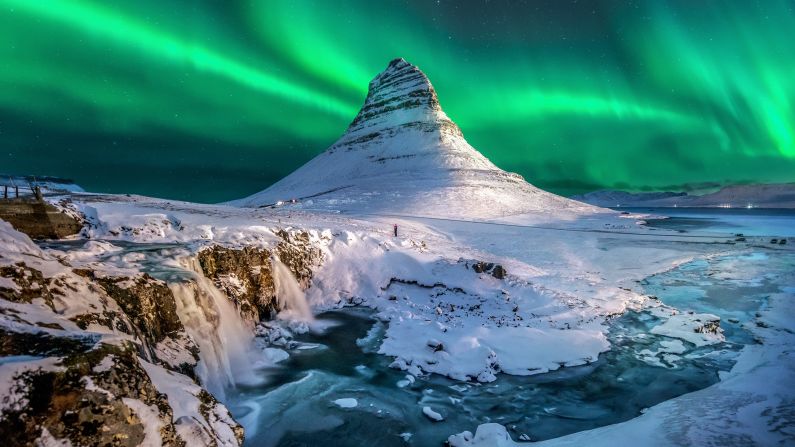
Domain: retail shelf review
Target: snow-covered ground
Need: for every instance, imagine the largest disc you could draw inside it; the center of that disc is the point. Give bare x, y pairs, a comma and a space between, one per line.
565, 279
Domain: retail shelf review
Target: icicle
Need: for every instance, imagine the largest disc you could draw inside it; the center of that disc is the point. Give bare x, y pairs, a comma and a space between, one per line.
227, 354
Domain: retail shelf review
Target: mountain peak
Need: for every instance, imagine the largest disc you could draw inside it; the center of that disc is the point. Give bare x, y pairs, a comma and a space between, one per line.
401, 96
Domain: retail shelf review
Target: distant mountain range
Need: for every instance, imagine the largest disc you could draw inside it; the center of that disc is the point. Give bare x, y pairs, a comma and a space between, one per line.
777, 195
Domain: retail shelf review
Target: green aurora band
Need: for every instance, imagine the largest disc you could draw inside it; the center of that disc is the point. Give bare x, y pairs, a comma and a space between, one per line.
214, 100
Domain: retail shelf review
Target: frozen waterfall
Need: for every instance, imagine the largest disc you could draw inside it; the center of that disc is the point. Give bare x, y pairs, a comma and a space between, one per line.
289, 295
227, 355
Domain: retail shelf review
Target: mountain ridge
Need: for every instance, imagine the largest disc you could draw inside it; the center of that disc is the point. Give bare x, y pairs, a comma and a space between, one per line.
763, 195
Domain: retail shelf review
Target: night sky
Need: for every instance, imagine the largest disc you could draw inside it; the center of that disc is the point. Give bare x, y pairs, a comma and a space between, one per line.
210, 101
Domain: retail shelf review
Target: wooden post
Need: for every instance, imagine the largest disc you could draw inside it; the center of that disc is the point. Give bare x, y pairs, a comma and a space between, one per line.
16, 190
5, 191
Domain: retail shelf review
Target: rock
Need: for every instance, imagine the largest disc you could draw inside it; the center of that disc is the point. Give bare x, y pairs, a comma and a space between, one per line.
246, 276
709, 327
30, 283
496, 270
148, 303
481, 267
38, 219
436, 345
85, 407
499, 272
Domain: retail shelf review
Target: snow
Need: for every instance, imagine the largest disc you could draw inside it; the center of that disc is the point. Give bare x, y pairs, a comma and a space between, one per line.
104, 365
48, 440
563, 284
12, 390
751, 405
549, 312
346, 402
183, 397
8, 283
432, 415
486, 435
690, 328
150, 419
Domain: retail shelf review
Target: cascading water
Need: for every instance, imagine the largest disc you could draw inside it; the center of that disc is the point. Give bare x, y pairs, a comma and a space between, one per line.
289, 295
227, 355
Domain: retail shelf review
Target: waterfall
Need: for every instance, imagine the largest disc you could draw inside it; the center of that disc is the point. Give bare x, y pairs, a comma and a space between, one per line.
289, 296
227, 355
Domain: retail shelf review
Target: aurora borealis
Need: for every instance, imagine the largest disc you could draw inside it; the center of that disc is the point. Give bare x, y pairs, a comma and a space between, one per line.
210, 101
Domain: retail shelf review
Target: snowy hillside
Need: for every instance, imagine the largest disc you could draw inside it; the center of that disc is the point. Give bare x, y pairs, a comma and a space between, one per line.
404, 155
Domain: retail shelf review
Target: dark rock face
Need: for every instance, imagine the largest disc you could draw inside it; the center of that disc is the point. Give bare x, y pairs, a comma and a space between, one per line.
74, 400
42, 344
30, 282
39, 220
148, 303
61, 402
298, 254
709, 327
93, 393
246, 274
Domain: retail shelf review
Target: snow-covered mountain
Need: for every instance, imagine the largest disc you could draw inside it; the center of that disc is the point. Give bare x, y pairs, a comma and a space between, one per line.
776, 195
403, 154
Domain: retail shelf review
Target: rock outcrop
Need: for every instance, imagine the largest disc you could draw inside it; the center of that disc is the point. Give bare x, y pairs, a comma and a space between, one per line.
246, 274
495, 270
92, 359
38, 219
78, 400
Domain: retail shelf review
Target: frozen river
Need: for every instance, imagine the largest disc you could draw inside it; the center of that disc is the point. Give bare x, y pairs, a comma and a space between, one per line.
335, 390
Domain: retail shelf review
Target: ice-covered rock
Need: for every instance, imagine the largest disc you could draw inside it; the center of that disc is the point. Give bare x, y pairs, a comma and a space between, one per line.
486, 435
431, 414
699, 329
346, 402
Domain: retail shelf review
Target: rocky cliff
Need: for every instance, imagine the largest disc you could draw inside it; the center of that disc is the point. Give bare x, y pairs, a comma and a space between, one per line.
98, 359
